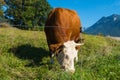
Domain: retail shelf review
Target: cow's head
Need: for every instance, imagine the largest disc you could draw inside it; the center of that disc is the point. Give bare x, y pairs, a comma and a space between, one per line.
67, 54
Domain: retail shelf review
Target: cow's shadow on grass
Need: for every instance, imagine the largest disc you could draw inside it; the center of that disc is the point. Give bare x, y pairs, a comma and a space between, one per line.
28, 52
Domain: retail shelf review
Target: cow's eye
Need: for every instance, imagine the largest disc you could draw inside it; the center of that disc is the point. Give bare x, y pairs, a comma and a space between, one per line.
77, 47
66, 57
60, 51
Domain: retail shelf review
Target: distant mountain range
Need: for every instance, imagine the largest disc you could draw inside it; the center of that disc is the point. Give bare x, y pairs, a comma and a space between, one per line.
108, 26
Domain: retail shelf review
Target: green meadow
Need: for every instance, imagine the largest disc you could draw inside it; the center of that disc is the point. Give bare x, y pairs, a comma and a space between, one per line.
24, 55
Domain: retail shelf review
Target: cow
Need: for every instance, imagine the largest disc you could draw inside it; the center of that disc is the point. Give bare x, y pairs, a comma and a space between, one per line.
62, 30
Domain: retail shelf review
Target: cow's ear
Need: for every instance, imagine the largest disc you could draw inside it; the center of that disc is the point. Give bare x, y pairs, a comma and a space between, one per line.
59, 50
55, 47
78, 45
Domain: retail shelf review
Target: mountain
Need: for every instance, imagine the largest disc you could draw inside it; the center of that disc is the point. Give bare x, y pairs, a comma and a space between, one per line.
106, 25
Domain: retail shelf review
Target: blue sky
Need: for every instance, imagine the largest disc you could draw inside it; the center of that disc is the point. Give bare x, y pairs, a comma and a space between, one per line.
89, 11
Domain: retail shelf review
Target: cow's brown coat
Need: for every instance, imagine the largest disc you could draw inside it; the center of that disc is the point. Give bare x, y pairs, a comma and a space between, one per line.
62, 25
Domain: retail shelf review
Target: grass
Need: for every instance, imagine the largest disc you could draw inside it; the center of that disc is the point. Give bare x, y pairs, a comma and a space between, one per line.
24, 55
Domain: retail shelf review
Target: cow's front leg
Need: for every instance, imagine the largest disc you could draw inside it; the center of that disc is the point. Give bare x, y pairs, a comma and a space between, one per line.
52, 58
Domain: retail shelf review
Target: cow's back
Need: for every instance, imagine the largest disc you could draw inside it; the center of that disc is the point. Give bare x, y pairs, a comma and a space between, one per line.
62, 25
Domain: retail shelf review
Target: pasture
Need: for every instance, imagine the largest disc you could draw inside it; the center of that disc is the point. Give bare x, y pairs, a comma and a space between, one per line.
24, 55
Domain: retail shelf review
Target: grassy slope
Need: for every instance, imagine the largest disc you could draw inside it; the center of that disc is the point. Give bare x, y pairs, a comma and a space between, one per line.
24, 56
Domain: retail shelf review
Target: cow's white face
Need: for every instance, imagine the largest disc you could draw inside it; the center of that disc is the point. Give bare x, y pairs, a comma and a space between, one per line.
67, 55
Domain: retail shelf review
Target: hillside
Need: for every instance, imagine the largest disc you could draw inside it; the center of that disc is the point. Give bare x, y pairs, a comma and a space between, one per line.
24, 56
107, 26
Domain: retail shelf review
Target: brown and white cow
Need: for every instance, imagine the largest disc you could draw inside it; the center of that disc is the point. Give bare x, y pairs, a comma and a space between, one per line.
62, 30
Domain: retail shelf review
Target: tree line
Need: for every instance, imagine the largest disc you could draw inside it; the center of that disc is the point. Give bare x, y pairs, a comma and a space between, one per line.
25, 13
